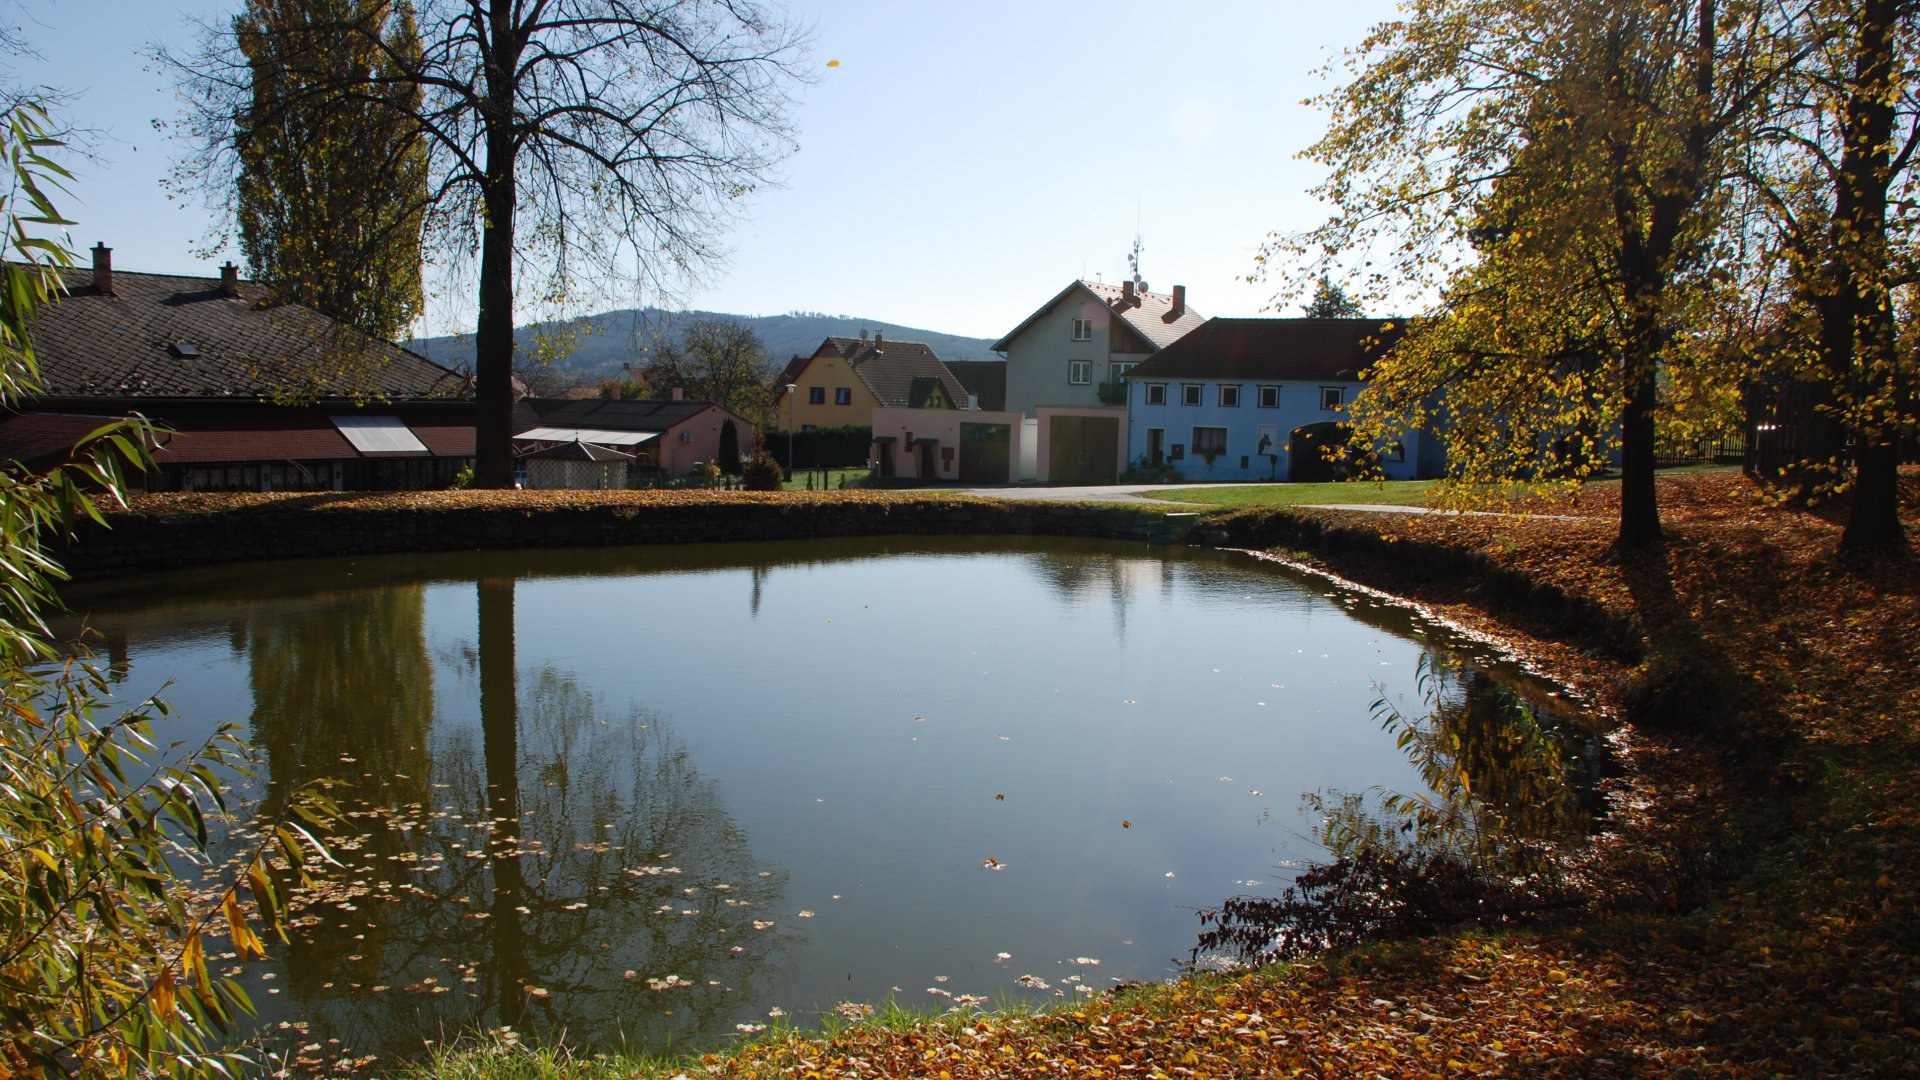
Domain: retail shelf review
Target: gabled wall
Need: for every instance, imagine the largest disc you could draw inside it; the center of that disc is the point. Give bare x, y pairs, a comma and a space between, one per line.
828, 372
1038, 360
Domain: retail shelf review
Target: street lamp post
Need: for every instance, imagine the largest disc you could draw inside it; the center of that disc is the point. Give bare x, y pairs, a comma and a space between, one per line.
793, 405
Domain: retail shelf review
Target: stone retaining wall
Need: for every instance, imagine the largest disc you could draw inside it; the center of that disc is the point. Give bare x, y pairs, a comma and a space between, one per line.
140, 541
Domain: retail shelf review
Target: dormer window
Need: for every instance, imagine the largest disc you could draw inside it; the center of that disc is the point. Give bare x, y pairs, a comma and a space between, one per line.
1083, 329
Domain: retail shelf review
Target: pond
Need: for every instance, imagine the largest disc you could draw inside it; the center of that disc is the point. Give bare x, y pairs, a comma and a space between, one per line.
659, 796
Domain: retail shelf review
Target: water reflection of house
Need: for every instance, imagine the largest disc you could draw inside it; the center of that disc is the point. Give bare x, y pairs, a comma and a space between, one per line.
663, 437
214, 360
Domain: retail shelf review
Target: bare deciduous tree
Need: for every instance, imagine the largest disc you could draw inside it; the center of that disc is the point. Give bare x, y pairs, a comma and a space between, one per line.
569, 139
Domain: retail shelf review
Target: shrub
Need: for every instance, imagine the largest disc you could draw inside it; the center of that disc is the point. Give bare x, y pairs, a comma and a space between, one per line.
106, 957
762, 473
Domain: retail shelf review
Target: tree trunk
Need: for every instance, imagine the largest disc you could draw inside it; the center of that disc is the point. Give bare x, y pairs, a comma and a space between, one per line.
1860, 221
493, 336
1639, 507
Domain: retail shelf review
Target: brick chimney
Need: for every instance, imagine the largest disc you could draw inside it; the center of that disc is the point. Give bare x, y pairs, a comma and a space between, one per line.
103, 269
1126, 293
679, 394
1179, 307
229, 279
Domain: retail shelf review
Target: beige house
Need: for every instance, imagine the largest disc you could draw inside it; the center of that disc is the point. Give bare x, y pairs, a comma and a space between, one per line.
966, 446
1067, 366
847, 378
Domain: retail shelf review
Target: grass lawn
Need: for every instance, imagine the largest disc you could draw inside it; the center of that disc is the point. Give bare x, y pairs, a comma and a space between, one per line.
1237, 496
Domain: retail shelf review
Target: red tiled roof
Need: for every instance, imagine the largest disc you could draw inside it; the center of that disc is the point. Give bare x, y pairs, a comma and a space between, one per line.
239, 431
1314, 350
1151, 318
42, 440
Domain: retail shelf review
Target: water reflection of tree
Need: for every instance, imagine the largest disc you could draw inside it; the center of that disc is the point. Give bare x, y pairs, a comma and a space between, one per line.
1508, 787
1505, 780
562, 868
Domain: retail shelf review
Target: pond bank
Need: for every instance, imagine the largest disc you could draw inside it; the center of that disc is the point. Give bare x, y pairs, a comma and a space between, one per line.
161, 532
1760, 882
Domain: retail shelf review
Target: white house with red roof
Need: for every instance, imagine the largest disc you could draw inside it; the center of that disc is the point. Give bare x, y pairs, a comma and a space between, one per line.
1067, 365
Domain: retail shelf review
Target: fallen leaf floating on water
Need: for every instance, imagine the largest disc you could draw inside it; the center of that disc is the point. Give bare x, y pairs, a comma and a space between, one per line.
1000, 798
1126, 824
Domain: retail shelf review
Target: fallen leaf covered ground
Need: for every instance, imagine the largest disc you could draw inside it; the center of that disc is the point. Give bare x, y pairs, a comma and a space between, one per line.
1754, 900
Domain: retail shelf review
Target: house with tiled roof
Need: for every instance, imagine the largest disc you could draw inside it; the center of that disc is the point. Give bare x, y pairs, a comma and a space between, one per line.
664, 438
847, 378
253, 395
1067, 364
1263, 399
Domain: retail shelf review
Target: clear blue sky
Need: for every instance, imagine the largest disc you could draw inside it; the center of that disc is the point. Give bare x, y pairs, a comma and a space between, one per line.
960, 165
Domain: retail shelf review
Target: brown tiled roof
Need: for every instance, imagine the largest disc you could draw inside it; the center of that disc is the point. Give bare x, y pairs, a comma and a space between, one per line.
648, 414
165, 336
1150, 317
1314, 350
888, 368
985, 378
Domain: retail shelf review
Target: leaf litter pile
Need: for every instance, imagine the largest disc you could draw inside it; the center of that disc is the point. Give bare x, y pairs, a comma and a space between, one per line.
1752, 908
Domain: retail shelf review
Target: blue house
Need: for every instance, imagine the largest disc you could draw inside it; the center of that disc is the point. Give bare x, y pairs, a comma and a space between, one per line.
1263, 399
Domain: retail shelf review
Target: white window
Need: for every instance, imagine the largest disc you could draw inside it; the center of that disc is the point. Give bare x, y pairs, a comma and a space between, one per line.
1229, 396
1156, 393
1209, 442
1080, 372
1189, 393
1119, 370
1331, 397
1083, 329
1269, 397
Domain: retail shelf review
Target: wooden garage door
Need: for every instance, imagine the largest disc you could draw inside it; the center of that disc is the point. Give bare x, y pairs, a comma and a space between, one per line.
986, 451
1084, 450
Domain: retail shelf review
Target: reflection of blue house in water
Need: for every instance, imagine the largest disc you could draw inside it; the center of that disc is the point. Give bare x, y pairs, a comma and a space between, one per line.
1262, 399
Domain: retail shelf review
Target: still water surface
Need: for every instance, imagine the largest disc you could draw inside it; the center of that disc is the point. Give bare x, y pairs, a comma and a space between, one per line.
648, 796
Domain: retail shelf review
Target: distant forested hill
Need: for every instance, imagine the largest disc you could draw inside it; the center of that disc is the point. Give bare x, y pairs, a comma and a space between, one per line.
595, 346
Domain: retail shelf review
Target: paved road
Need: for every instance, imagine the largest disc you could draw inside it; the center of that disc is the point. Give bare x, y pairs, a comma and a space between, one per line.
1096, 493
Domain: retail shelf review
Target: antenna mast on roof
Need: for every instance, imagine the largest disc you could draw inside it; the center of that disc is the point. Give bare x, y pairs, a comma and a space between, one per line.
1133, 263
